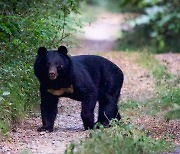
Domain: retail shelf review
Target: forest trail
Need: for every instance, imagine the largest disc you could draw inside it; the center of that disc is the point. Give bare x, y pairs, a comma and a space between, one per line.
100, 35
138, 85
68, 124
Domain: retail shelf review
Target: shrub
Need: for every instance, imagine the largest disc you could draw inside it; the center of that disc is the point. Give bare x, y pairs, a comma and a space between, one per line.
121, 138
24, 26
157, 22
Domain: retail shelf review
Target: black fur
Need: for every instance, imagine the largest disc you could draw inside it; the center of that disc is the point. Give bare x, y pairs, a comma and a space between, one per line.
93, 78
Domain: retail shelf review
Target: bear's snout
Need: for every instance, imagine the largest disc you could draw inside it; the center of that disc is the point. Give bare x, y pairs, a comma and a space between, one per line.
52, 76
53, 73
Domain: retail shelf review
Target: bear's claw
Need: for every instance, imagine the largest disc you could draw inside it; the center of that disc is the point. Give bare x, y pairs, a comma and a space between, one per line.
44, 128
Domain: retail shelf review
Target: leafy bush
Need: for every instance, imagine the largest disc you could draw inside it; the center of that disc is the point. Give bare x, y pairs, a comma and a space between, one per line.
158, 23
24, 26
121, 138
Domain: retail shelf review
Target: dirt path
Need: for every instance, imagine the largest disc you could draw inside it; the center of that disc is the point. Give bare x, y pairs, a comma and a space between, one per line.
100, 35
68, 126
171, 61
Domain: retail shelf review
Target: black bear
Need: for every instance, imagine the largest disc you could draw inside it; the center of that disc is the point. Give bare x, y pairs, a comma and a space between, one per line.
85, 78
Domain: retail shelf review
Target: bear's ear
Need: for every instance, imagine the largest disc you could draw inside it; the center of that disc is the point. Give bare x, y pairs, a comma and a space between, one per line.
63, 50
42, 51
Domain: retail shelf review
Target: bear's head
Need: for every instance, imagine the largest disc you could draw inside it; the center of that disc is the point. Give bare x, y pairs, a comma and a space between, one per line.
52, 64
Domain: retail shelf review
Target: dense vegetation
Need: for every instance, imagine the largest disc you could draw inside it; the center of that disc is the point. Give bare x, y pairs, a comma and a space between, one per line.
157, 23
24, 26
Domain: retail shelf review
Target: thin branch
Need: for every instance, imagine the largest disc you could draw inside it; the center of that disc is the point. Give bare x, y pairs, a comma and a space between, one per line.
64, 20
106, 116
66, 35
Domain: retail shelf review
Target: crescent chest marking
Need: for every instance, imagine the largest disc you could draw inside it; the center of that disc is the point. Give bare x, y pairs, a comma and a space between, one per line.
61, 91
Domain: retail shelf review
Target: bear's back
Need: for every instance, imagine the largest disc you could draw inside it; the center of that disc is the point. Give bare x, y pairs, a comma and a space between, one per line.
92, 61
96, 66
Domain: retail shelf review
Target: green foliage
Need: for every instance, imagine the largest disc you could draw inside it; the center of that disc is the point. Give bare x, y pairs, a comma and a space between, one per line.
168, 101
120, 139
172, 96
158, 23
166, 104
18, 92
44, 23
24, 26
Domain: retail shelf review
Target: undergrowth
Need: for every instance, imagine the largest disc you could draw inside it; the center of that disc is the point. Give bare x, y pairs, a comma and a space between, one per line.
18, 93
121, 138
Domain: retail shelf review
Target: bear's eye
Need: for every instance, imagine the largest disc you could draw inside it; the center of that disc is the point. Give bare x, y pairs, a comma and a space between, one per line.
60, 66
57, 65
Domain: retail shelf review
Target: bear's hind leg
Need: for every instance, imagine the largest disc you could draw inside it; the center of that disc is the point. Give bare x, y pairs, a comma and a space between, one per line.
87, 112
101, 117
108, 110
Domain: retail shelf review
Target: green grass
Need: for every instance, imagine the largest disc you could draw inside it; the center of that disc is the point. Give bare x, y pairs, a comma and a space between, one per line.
129, 104
175, 114
167, 101
120, 139
147, 60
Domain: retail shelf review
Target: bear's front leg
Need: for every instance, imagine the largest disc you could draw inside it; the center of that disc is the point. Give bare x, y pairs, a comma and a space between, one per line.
48, 110
87, 112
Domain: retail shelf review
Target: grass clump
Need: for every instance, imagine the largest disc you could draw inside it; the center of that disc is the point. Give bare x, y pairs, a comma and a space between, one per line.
120, 139
130, 104
173, 115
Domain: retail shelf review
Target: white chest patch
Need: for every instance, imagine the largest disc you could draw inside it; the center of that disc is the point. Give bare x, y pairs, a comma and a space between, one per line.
61, 91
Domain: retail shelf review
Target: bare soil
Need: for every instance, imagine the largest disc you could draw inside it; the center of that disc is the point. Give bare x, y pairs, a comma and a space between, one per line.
171, 61
68, 127
158, 128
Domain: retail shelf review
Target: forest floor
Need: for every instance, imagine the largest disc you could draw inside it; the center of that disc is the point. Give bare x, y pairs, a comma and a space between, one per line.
99, 38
